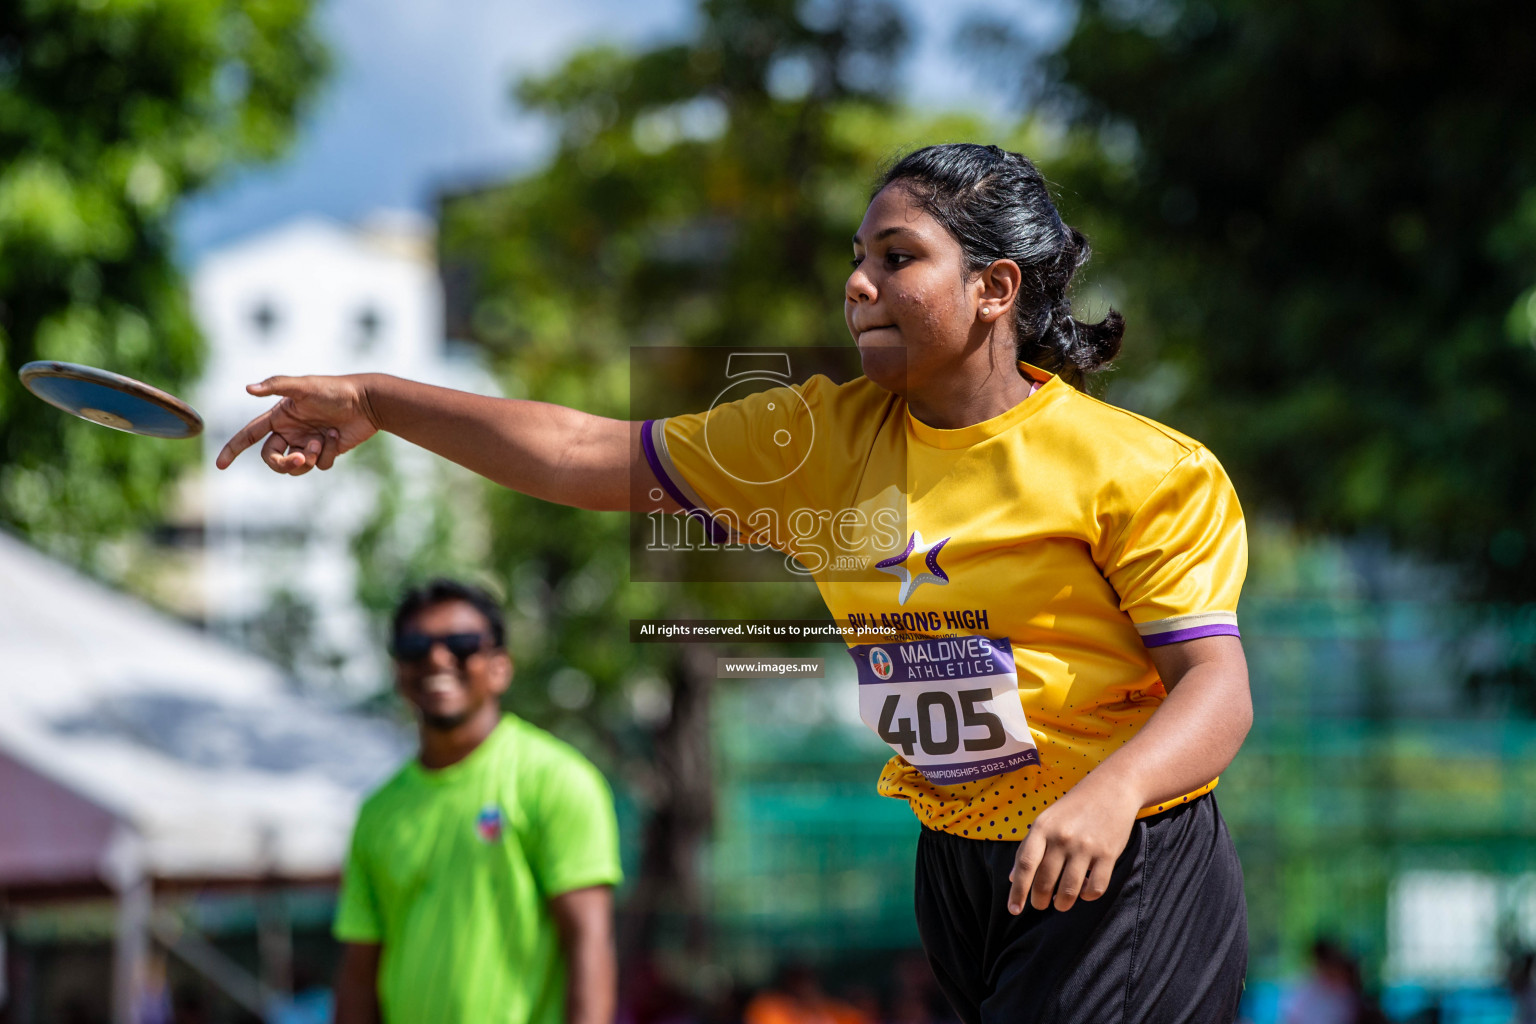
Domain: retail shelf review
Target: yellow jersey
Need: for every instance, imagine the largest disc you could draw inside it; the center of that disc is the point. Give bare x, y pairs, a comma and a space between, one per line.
1002, 581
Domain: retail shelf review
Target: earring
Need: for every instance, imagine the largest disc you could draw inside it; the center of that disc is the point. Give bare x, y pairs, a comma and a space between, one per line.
986, 310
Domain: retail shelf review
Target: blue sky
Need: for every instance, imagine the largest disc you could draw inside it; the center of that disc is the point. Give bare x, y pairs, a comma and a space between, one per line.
420, 97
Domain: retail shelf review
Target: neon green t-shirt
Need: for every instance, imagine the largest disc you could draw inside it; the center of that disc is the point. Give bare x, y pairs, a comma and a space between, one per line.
451, 870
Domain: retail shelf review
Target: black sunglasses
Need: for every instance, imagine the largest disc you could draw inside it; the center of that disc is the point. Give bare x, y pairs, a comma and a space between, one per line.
418, 646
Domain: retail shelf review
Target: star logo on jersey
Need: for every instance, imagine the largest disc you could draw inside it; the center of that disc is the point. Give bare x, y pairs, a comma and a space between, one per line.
896, 565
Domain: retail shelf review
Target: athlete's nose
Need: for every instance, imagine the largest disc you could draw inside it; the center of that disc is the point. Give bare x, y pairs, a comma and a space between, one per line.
859, 287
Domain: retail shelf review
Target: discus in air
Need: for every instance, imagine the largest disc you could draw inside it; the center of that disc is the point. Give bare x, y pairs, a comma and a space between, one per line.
111, 399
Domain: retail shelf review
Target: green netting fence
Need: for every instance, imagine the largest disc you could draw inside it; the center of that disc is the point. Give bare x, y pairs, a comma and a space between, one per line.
1372, 755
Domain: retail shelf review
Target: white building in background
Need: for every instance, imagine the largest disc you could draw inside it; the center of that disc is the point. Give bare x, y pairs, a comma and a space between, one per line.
309, 296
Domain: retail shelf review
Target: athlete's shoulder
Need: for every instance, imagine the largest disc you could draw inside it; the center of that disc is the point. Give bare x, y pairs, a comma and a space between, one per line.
1113, 459
856, 397
1113, 426
1105, 443
853, 404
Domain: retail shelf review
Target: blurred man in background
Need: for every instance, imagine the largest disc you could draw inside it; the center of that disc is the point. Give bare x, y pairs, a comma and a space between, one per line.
479, 886
1332, 993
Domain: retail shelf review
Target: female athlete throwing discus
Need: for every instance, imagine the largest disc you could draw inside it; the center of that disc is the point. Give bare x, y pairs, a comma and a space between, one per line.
1069, 681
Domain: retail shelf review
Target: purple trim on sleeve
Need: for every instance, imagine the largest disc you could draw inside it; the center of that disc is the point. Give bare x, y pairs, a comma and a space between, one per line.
1193, 633
653, 460
717, 533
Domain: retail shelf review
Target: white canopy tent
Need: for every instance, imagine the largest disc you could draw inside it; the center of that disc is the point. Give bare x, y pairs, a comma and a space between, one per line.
137, 751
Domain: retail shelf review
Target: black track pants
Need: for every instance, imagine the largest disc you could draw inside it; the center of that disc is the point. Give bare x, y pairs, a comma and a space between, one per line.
1167, 943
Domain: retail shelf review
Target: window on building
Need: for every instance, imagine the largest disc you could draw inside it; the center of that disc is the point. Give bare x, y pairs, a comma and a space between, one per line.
266, 319
370, 328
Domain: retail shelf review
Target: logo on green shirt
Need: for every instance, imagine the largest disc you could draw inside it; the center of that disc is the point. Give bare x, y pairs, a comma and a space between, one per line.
488, 823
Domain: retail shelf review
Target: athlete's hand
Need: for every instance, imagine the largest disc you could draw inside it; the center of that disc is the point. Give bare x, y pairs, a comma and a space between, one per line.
1072, 847
317, 419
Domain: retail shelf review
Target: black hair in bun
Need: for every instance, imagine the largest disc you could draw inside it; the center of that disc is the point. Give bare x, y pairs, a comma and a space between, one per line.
997, 206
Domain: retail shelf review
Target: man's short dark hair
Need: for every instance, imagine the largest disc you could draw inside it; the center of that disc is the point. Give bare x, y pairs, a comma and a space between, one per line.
441, 591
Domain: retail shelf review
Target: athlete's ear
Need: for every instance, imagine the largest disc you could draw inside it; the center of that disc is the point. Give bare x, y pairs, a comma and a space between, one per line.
501, 672
996, 288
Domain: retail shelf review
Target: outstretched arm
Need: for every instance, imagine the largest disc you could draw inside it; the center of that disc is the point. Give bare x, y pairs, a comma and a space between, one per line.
1073, 845
547, 451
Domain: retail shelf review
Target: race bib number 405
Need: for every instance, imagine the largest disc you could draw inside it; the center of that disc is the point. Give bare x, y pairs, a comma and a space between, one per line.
950, 707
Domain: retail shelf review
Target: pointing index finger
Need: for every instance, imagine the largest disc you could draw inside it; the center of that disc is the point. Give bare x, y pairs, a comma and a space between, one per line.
248, 435
273, 386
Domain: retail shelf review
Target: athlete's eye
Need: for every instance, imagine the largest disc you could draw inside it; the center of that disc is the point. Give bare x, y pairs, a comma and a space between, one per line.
854, 263
897, 259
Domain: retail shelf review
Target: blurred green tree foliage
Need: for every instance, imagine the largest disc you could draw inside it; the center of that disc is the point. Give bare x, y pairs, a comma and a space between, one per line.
110, 112
1327, 243
702, 193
